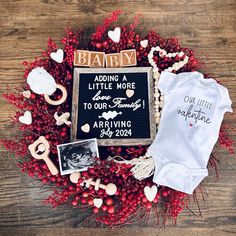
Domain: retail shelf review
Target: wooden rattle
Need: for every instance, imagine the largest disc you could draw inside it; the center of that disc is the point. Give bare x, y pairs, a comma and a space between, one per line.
61, 100
40, 150
109, 188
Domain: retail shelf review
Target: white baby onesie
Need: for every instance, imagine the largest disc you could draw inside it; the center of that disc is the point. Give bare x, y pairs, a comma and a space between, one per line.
189, 127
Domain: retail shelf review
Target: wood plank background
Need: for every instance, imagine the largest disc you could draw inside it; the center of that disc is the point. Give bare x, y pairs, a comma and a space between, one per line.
207, 26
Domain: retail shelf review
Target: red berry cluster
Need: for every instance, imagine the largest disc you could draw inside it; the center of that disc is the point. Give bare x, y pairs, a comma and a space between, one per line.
38, 169
224, 140
129, 204
174, 201
101, 29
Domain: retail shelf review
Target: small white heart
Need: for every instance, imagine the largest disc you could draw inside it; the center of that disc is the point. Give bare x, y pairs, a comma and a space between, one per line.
114, 35
57, 56
150, 193
129, 93
97, 202
26, 94
144, 43
26, 118
85, 128
74, 177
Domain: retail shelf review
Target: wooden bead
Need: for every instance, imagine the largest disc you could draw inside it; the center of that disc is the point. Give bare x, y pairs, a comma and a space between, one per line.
111, 189
156, 94
161, 104
156, 76
157, 120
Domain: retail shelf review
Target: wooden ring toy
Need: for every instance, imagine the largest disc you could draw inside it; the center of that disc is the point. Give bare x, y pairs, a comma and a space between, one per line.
61, 100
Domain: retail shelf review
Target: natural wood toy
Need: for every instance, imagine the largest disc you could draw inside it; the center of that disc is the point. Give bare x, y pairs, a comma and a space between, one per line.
40, 150
85, 58
61, 100
109, 188
63, 118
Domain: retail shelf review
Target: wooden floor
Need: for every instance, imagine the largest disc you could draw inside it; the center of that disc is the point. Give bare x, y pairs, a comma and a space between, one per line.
207, 26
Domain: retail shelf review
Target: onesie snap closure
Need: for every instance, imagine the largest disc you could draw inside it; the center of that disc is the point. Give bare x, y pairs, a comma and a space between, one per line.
182, 178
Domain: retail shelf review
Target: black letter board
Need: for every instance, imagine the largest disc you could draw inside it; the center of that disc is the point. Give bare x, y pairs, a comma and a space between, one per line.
114, 105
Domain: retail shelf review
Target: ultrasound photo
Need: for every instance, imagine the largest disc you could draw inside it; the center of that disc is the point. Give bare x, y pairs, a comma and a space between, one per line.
77, 156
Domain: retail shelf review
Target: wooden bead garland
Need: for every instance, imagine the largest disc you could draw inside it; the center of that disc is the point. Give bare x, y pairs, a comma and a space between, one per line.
159, 100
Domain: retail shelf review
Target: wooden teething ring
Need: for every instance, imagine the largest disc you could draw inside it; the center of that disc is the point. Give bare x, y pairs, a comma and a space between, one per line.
61, 100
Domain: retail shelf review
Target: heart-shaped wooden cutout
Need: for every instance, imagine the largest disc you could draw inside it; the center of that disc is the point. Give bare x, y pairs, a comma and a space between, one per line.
85, 128
57, 56
129, 93
150, 193
26, 118
97, 202
74, 177
144, 43
114, 35
26, 93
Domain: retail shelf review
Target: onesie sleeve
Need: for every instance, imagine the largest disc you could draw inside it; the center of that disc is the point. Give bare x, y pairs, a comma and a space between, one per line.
167, 82
225, 101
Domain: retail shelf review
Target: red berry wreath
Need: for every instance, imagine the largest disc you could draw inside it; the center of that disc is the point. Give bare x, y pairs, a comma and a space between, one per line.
129, 204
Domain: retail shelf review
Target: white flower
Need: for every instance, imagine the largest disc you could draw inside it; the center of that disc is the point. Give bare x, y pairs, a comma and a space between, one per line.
41, 82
